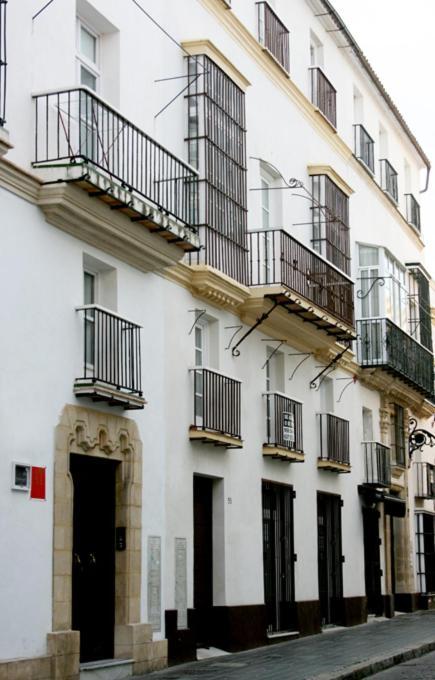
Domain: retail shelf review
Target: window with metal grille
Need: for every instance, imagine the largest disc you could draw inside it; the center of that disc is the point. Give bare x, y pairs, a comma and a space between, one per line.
398, 436
216, 138
420, 321
330, 217
425, 552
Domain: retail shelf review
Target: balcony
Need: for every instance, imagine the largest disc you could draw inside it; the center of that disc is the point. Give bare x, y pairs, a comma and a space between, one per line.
413, 212
324, 95
217, 409
334, 443
308, 285
364, 147
111, 359
273, 35
377, 464
389, 180
424, 475
383, 345
284, 428
80, 139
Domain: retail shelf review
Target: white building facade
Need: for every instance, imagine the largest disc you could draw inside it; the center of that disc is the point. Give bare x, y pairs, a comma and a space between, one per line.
219, 331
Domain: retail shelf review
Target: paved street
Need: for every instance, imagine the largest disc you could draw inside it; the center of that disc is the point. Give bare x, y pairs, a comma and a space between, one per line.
339, 653
417, 669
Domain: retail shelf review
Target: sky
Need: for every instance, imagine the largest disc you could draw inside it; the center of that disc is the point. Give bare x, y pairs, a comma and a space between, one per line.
397, 36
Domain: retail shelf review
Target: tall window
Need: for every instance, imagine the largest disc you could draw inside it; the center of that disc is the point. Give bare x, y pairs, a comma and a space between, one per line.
397, 436
367, 280
88, 57
330, 214
396, 293
216, 139
420, 321
89, 288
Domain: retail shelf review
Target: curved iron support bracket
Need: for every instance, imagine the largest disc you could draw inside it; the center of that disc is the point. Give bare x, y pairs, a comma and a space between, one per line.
377, 279
305, 355
418, 437
235, 351
336, 359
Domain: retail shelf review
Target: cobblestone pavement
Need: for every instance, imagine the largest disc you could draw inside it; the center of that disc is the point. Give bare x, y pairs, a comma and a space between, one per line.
417, 669
328, 655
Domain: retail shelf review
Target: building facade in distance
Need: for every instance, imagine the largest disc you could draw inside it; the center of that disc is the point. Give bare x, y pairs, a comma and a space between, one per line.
216, 329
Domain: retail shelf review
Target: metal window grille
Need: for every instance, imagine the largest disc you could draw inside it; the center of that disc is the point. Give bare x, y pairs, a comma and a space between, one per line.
377, 464
275, 257
389, 179
424, 480
364, 147
217, 148
334, 438
3, 63
273, 34
420, 321
381, 343
324, 95
330, 218
111, 350
284, 422
413, 211
217, 405
75, 125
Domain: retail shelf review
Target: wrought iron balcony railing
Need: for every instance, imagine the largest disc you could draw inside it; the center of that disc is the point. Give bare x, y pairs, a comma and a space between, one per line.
389, 179
334, 439
324, 95
111, 358
377, 464
217, 405
276, 258
283, 422
382, 344
413, 211
424, 480
73, 126
364, 147
273, 35
3, 64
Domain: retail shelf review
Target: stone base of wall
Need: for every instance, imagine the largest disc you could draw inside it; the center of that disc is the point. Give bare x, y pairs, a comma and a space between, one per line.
181, 642
354, 611
237, 628
406, 602
308, 617
133, 641
388, 606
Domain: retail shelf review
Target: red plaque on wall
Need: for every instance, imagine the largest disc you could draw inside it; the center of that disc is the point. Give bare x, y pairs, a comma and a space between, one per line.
37, 484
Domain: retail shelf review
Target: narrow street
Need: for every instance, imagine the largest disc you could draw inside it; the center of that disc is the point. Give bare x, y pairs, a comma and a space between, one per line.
338, 654
418, 669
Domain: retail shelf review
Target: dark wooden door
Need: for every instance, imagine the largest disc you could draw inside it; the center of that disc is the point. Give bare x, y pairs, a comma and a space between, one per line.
93, 577
203, 556
329, 557
372, 561
278, 556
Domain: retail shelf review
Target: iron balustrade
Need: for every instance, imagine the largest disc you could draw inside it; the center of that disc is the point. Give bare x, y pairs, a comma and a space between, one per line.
74, 125
283, 422
413, 211
389, 179
3, 63
334, 439
111, 350
276, 258
424, 480
377, 464
324, 95
364, 147
381, 343
217, 405
273, 35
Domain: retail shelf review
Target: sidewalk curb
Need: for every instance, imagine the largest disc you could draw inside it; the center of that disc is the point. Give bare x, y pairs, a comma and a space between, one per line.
376, 665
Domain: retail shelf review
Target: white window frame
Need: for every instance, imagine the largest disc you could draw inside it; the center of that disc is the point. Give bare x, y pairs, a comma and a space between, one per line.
93, 68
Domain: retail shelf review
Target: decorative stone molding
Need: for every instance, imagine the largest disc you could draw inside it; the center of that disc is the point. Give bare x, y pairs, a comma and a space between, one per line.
5, 144
333, 176
196, 47
18, 182
211, 285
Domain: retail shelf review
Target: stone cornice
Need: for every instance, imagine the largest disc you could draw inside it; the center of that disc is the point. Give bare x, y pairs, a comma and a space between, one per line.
208, 48
19, 182
333, 175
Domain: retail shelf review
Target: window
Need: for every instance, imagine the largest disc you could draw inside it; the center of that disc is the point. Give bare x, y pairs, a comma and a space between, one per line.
368, 273
216, 144
316, 51
396, 294
367, 417
358, 106
397, 436
89, 285
88, 57
330, 216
